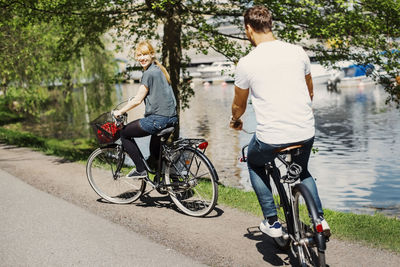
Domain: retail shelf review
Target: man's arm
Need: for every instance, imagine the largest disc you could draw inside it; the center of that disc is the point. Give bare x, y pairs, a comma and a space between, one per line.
310, 85
238, 107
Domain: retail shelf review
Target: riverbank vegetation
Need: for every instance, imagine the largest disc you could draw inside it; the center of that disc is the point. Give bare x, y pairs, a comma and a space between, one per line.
377, 230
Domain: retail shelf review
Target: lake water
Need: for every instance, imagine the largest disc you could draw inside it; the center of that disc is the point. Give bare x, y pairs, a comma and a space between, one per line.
357, 137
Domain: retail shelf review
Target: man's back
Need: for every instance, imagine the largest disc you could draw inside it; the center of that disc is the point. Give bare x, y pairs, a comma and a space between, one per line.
275, 73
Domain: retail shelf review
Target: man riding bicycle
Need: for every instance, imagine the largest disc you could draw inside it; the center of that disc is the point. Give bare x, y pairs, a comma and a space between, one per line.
277, 75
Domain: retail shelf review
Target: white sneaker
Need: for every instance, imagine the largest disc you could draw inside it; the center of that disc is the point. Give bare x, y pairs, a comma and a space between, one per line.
274, 230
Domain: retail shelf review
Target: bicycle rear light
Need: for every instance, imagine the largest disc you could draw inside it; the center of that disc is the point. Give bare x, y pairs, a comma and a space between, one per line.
203, 145
319, 228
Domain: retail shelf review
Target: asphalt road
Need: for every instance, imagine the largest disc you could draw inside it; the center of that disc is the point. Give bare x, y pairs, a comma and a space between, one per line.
38, 229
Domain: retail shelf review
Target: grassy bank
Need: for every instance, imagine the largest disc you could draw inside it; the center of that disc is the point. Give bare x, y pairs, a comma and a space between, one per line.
374, 230
75, 150
377, 230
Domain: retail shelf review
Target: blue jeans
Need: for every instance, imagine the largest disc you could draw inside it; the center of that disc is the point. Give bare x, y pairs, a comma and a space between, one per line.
259, 154
155, 123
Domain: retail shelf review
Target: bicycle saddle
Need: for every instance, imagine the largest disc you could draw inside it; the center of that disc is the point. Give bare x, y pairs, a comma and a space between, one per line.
287, 149
166, 131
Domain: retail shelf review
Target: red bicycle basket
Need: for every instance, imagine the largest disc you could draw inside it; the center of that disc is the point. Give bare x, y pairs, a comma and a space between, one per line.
105, 129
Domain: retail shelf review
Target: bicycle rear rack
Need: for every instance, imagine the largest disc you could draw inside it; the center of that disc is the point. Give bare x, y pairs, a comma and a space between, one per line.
197, 143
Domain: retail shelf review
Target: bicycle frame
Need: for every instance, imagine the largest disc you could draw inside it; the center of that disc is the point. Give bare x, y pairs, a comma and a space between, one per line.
287, 201
292, 226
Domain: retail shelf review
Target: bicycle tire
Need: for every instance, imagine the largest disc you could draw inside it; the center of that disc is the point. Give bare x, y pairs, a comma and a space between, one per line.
192, 181
281, 198
311, 252
106, 170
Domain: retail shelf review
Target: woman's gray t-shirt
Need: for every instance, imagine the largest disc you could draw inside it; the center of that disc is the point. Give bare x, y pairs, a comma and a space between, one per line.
160, 99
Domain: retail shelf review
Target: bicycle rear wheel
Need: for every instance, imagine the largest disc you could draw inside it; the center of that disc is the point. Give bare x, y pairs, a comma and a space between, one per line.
106, 171
305, 217
282, 242
192, 182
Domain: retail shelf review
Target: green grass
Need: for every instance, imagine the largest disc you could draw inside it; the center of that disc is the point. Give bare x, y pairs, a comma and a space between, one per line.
72, 149
373, 230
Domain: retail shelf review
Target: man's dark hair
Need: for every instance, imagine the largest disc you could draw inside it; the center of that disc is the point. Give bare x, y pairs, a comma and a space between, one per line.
259, 18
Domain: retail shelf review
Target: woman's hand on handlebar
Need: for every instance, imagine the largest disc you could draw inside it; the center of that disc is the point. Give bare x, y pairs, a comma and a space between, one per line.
116, 113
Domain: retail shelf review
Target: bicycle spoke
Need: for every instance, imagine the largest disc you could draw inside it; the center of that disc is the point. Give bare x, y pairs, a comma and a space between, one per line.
199, 176
193, 194
105, 174
125, 180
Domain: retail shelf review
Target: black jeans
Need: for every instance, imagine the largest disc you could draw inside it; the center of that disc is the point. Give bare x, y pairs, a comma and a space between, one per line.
128, 134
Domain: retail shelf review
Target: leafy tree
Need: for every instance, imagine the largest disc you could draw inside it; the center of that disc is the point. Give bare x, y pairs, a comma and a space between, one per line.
33, 61
365, 31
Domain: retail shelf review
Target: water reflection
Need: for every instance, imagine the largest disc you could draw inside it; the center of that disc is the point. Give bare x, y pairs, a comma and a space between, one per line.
358, 137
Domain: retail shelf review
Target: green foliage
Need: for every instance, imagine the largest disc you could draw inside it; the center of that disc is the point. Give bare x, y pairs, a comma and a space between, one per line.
38, 53
365, 31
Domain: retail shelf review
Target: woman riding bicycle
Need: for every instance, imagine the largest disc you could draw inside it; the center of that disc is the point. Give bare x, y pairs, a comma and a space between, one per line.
160, 112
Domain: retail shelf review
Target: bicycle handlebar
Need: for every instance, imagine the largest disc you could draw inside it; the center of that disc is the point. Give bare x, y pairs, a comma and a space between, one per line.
120, 120
248, 132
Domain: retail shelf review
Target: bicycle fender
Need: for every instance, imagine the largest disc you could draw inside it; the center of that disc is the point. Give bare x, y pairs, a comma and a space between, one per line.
312, 207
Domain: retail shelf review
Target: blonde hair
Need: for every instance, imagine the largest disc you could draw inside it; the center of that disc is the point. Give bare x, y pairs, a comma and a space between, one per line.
145, 48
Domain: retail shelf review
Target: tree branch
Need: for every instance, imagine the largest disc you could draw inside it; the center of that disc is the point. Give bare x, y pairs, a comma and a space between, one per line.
219, 33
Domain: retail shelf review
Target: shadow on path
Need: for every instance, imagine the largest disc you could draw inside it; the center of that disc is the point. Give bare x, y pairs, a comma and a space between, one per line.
267, 248
162, 201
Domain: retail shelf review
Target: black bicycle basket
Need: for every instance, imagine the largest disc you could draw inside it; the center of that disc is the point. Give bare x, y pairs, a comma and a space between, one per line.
105, 129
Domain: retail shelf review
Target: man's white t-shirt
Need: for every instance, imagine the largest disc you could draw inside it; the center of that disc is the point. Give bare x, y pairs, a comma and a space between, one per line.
275, 74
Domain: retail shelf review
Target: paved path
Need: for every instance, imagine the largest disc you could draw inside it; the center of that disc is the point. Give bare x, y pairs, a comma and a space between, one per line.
227, 237
38, 229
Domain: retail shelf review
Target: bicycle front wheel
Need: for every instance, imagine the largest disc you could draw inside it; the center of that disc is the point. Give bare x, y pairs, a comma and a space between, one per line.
309, 241
106, 171
192, 182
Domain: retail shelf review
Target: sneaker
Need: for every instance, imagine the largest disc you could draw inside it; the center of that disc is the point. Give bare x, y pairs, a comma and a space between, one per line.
325, 227
134, 174
274, 230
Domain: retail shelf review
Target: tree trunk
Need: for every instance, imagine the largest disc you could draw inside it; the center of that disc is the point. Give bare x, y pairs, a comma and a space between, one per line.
172, 53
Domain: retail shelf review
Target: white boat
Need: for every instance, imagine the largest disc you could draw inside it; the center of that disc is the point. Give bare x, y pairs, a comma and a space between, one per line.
220, 70
349, 74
